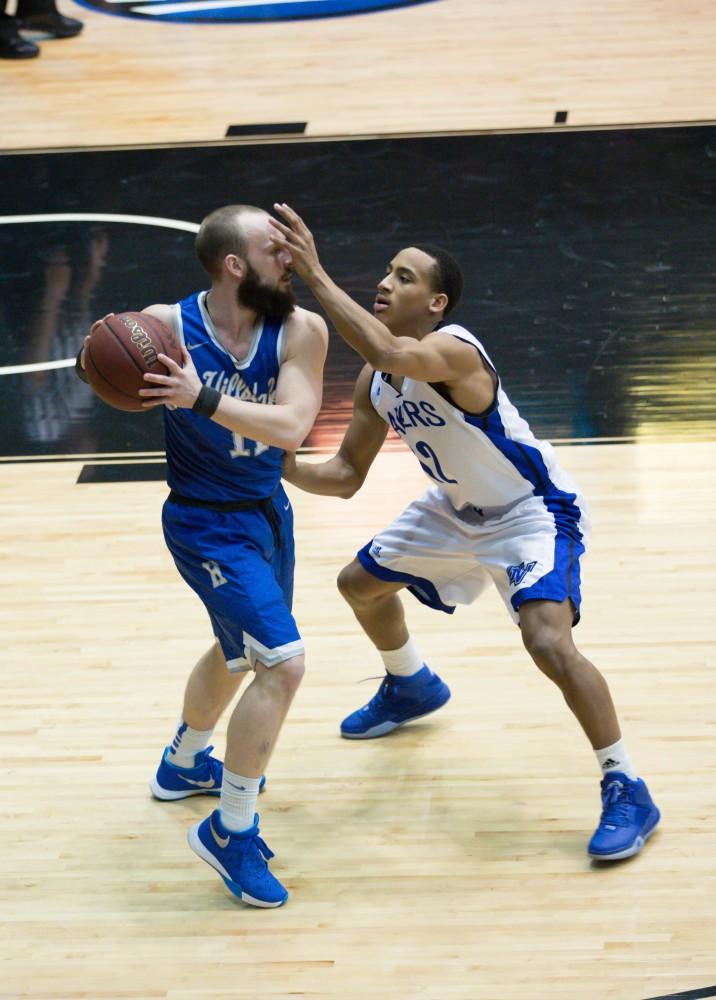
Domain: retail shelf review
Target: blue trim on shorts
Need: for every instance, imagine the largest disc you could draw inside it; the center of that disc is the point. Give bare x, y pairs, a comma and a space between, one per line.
563, 581
419, 587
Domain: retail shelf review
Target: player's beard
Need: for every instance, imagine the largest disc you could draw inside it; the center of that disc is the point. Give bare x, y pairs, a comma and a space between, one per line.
252, 293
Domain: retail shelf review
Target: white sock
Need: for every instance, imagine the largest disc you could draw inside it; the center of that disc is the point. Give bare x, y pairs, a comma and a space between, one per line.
403, 662
238, 801
616, 758
186, 744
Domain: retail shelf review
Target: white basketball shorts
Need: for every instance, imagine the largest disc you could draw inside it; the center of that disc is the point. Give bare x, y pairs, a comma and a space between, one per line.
530, 551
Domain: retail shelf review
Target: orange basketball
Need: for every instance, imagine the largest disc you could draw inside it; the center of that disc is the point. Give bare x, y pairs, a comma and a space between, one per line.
121, 350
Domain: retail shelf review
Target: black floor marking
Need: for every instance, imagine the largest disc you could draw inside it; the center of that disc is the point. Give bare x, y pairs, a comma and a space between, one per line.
123, 472
560, 117
273, 128
705, 991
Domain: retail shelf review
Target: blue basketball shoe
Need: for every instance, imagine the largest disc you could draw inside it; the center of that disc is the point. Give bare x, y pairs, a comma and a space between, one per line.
240, 858
628, 819
398, 700
172, 782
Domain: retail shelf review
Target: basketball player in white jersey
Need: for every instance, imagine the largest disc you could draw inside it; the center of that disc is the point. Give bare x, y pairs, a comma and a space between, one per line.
499, 509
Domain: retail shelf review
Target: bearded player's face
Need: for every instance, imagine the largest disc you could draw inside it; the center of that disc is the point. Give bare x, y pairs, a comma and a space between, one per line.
268, 300
266, 286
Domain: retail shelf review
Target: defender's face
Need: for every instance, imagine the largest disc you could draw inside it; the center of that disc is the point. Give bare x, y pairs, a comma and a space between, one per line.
405, 294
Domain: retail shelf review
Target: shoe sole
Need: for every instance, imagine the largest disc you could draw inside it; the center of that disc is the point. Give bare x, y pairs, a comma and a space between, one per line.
388, 727
633, 848
197, 846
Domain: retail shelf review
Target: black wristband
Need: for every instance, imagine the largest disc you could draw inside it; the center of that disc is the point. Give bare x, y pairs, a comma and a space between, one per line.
79, 370
207, 401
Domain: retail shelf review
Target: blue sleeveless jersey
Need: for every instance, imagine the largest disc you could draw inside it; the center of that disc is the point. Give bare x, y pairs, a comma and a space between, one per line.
205, 460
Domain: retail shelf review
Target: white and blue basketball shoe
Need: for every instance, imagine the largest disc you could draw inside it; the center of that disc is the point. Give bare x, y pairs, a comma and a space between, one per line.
172, 782
240, 858
397, 701
628, 819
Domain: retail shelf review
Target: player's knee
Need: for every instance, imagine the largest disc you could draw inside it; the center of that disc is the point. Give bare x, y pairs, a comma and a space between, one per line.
289, 674
549, 650
349, 584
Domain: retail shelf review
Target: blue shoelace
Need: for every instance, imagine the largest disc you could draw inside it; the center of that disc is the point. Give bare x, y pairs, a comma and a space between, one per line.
616, 802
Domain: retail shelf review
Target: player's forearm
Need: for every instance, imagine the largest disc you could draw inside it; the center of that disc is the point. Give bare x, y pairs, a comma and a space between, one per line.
277, 425
334, 478
357, 327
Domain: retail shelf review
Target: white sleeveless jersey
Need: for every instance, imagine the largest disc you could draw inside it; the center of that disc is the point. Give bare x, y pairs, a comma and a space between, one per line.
488, 461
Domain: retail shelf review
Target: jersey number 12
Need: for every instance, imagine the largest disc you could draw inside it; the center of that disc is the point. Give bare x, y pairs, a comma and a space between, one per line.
432, 464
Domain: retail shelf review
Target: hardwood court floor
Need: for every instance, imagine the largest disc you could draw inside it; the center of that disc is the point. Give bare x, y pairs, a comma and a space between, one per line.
447, 861
442, 66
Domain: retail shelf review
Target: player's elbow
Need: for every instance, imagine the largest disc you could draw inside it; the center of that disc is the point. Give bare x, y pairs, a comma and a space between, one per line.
350, 482
291, 440
291, 429
294, 436
346, 490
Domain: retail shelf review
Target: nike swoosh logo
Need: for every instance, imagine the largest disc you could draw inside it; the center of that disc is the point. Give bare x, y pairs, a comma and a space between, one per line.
221, 841
193, 347
199, 784
288, 504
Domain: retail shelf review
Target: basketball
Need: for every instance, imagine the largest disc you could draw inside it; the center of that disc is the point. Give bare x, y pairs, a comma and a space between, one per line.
120, 350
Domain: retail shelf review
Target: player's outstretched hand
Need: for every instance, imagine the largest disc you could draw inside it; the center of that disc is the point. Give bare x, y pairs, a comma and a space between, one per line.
296, 237
179, 388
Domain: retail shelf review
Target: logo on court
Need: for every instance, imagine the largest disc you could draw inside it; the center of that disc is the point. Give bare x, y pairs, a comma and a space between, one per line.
517, 574
232, 11
214, 571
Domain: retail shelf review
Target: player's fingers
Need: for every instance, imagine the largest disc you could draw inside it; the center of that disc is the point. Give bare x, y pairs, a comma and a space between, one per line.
159, 379
155, 393
297, 223
287, 241
186, 357
293, 219
280, 226
170, 363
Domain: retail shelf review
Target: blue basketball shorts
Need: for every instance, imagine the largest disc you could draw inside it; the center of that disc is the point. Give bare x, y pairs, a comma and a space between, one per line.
531, 550
243, 578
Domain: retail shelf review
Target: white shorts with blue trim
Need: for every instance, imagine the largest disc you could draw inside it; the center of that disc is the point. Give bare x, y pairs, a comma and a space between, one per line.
530, 550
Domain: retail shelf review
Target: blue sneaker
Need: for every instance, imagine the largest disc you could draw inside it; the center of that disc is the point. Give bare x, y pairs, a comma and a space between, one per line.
398, 700
172, 782
240, 858
628, 819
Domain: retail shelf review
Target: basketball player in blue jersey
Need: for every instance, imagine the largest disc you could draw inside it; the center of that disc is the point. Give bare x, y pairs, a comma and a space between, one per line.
249, 389
499, 509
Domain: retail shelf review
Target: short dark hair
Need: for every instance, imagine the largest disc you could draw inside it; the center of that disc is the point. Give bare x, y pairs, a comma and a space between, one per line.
447, 274
221, 233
